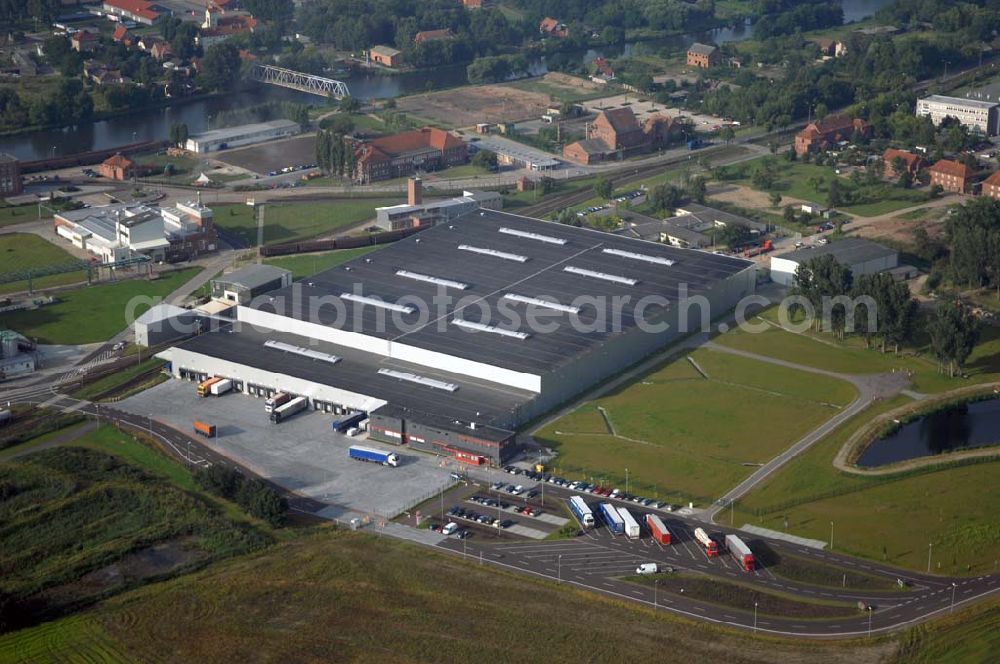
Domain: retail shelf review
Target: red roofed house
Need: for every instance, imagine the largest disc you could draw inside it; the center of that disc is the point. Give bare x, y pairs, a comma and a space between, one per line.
426, 149
117, 167
161, 50
121, 35
912, 163
472, 4
951, 175
604, 68
139, 11
218, 28
553, 28
619, 131
431, 35
991, 185
824, 134
82, 41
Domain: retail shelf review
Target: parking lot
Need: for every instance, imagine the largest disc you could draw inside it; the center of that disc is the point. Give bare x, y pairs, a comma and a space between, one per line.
302, 454
272, 156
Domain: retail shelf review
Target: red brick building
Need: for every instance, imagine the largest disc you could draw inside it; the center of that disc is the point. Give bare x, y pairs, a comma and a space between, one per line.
991, 185
550, 27
10, 175
426, 149
952, 176
912, 163
431, 35
826, 133
83, 41
618, 132
703, 56
117, 167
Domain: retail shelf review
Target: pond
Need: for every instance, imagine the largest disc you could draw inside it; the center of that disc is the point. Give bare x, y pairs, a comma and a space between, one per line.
955, 428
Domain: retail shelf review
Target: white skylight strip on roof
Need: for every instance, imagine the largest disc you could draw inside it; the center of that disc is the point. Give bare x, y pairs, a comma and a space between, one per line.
492, 329
375, 302
493, 252
532, 236
538, 302
447, 283
299, 350
628, 281
639, 257
420, 380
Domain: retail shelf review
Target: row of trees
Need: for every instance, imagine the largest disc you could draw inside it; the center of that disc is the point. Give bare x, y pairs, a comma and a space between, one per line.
335, 153
973, 236
254, 496
496, 69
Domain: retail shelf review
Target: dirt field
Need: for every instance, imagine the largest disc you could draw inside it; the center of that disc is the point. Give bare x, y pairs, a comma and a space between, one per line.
273, 155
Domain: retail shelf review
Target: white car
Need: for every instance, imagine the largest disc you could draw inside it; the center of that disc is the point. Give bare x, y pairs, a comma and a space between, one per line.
518, 490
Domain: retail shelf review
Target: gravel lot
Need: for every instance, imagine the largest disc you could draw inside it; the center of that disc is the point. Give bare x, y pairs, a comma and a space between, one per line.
302, 454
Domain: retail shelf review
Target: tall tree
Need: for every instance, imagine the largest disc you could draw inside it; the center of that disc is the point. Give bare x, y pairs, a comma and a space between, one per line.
954, 332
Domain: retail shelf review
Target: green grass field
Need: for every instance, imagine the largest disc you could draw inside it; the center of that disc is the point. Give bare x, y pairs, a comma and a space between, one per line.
967, 636
92, 313
289, 222
685, 436
305, 265
17, 214
21, 252
328, 597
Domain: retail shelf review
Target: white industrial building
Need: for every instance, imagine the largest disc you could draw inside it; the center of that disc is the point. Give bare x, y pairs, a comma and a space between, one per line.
232, 137
119, 232
409, 215
977, 115
17, 354
861, 256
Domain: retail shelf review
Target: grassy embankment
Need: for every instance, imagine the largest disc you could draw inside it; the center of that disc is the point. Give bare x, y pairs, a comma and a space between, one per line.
21, 252
290, 222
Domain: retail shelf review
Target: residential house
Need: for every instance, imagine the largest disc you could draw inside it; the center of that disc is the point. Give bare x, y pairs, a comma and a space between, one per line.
216, 27
472, 4
138, 11
826, 46
426, 149
100, 73
604, 70
952, 176
991, 185
911, 163
432, 35
117, 167
550, 27
121, 35
161, 51
703, 55
826, 133
385, 56
83, 41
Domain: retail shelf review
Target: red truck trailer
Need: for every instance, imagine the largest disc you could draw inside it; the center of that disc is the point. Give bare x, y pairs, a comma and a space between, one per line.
203, 429
741, 552
711, 546
658, 530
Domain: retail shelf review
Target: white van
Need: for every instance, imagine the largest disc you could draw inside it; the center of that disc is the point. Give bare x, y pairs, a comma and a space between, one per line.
450, 528
647, 568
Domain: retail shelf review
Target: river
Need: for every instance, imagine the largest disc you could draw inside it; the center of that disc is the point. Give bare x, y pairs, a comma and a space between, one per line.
956, 428
198, 114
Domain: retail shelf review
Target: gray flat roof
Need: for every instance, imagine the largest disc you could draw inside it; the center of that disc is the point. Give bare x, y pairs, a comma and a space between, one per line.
357, 371
848, 251
960, 101
229, 132
253, 276
488, 278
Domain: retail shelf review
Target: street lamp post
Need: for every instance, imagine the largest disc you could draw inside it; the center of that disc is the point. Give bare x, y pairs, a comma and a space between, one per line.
869, 621
755, 617
559, 567
930, 546
656, 587
831, 535
626, 480
953, 587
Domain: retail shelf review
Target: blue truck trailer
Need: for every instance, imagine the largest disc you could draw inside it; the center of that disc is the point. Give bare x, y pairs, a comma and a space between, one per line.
345, 422
612, 518
371, 455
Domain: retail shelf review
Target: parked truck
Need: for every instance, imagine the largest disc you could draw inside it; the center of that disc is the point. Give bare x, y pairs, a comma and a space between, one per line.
279, 399
581, 511
346, 422
657, 529
612, 518
205, 386
739, 550
221, 387
282, 413
204, 429
711, 546
372, 455
5, 416
631, 525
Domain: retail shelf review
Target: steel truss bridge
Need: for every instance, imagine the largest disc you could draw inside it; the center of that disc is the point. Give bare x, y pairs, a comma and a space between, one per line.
296, 80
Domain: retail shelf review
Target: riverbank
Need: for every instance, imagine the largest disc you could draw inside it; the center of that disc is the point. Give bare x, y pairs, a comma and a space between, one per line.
855, 446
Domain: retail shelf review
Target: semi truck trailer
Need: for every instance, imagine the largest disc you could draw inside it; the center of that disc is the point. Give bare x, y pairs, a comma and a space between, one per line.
204, 429
581, 511
282, 413
612, 518
372, 455
221, 387
657, 529
631, 525
345, 422
279, 399
205, 386
711, 546
739, 550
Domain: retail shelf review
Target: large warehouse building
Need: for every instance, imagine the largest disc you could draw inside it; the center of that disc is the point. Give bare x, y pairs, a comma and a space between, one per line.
452, 338
860, 255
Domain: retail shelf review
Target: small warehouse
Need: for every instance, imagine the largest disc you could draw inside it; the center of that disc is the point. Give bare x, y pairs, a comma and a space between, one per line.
243, 285
232, 137
861, 256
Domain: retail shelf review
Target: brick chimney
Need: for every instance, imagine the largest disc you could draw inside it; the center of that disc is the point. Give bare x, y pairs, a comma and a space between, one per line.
414, 192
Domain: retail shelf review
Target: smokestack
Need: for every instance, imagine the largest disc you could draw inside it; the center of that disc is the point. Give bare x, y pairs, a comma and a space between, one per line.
414, 192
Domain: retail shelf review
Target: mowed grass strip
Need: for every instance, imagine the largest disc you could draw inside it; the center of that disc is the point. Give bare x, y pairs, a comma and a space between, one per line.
290, 222
341, 596
21, 252
93, 313
690, 437
306, 265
